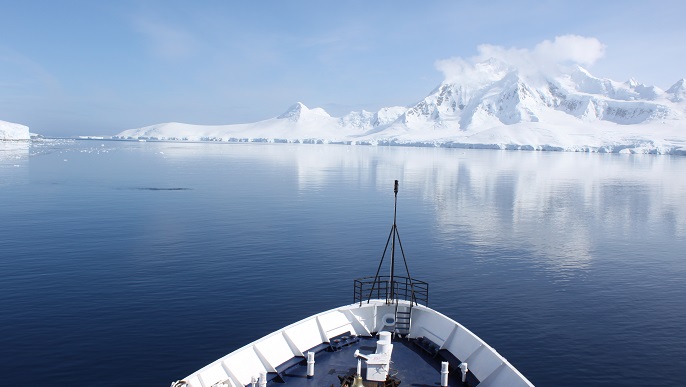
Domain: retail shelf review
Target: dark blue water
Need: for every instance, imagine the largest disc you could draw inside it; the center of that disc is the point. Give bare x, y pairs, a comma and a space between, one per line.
125, 263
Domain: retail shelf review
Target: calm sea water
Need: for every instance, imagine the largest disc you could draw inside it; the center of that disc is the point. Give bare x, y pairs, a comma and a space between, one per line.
126, 263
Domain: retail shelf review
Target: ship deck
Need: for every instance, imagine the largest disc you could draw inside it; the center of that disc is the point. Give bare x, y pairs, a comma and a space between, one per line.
334, 336
410, 364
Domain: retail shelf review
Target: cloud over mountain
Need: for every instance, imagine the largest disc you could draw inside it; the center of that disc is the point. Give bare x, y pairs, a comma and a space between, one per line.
547, 58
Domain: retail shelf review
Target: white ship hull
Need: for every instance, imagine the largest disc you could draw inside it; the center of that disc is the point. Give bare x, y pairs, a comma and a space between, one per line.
277, 351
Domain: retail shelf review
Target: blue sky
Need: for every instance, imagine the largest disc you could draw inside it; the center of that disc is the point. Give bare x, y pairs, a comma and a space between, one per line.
73, 67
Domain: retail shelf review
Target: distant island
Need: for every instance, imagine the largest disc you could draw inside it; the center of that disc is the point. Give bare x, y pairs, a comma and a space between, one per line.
497, 107
12, 131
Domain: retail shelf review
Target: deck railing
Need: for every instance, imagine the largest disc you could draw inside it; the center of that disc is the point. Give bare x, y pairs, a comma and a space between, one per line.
404, 288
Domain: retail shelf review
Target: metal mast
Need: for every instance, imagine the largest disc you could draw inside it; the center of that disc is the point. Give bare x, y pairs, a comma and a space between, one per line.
394, 231
394, 234
393, 288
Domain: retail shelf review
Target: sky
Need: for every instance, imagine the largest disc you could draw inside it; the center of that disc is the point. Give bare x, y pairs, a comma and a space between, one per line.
74, 67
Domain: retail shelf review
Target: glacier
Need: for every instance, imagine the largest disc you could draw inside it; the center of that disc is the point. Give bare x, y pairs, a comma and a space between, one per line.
498, 107
12, 131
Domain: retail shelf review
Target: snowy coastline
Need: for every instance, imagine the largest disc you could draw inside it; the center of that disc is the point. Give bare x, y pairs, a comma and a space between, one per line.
498, 107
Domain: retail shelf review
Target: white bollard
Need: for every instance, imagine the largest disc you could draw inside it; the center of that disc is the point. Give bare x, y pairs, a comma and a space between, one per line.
385, 337
464, 369
444, 374
253, 382
263, 379
310, 364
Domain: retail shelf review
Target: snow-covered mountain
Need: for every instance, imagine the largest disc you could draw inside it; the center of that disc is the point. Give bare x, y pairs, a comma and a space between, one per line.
677, 93
12, 131
511, 99
497, 107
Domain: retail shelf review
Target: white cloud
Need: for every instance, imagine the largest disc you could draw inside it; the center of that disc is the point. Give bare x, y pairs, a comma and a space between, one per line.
545, 58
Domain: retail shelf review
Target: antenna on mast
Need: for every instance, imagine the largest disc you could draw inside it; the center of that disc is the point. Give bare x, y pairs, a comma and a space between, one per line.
391, 290
394, 232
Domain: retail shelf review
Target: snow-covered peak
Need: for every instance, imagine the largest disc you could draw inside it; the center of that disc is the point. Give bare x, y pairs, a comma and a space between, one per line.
12, 131
582, 81
364, 120
388, 115
293, 113
512, 97
636, 90
646, 92
300, 112
677, 92
508, 98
